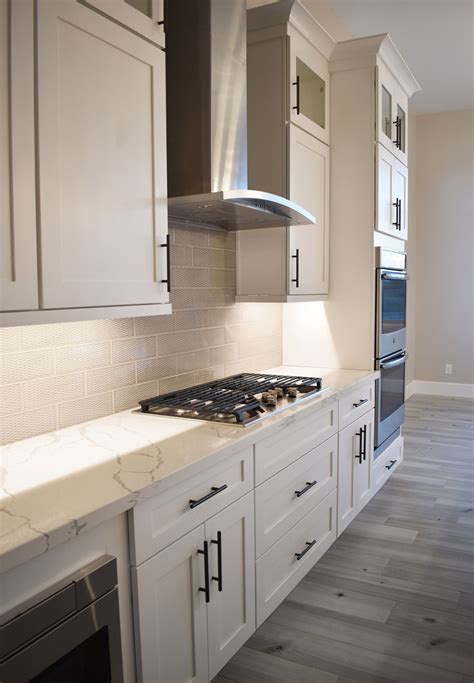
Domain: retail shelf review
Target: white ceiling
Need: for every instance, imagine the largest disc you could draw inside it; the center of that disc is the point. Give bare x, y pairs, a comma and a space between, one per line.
436, 38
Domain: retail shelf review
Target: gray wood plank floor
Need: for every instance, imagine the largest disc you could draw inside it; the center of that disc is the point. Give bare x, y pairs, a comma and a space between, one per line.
393, 599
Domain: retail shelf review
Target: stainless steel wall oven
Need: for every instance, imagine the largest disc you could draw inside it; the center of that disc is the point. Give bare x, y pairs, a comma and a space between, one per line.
71, 633
390, 344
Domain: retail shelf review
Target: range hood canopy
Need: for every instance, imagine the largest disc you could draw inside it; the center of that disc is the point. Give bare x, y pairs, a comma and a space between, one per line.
206, 76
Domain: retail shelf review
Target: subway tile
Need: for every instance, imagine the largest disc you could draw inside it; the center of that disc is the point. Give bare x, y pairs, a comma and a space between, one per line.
181, 255
223, 354
156, 368
229, 259
82, 357
192, 236
189, 277
209, 374
10, 399
9, 339
84, 409
181, 298
154, 324
27, 424
210, 258
100, 330
196, 360
205, 338
190, 320
234, 367
175, 342
127, 398
175, 383
125, 350
222, 278
225, 316
222, 239
209, 298
25, 365
112, 377
44, 392
58, 334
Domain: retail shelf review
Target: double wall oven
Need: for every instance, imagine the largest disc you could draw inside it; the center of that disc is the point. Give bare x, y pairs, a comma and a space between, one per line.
390, 345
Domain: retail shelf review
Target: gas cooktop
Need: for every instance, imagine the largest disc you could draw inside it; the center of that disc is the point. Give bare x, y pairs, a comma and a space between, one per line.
237, 400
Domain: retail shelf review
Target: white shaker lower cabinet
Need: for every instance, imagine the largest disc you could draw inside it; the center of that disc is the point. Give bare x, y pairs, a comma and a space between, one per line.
195, 600
356, 447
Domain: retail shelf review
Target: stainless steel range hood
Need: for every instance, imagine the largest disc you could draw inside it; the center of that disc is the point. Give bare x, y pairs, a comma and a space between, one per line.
206, 76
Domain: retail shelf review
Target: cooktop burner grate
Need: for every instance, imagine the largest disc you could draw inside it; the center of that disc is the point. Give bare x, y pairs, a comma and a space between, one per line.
232, 400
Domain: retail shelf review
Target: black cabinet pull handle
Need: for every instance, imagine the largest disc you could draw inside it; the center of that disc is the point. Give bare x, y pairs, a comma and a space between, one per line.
206, 588
218, 578
399, 214
360, 403
166, 245
398, 131
213, 492
297, 83
309, 545
296, 256
392, 463
365, 443
309, 485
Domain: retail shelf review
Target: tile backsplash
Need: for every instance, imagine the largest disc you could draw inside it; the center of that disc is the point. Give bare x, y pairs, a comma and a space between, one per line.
53, 376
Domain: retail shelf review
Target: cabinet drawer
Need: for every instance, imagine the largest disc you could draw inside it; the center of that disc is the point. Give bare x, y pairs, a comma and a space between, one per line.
355, 404
278, 505
279, 570
292, 438
164, 518
387, 463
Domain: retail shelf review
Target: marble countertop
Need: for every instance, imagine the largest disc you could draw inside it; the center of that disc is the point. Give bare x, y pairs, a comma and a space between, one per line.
55, 486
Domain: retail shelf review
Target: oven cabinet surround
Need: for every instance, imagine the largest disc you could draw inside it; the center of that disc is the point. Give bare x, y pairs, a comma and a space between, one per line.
28, 580
276, 505
101, 216
370, 88
288, 153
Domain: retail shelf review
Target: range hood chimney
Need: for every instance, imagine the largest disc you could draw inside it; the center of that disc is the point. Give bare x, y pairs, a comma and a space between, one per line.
206, 81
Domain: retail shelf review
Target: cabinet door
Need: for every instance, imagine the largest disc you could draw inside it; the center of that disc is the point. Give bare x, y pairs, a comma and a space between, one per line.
145, 17
347, 477
387, 213
365, 467
170, 614
18, 267
392, 114
308, 245
102, 161
400, 195
309, 100
231, 610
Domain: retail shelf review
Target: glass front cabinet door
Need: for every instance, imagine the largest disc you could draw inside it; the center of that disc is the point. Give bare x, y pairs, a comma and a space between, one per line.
392, 126
309, 88
145, 17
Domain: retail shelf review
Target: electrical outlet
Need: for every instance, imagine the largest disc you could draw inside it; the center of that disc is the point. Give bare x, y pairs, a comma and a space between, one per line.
448, 369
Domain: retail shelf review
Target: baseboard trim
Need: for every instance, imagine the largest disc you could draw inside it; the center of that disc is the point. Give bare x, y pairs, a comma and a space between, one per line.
453, 389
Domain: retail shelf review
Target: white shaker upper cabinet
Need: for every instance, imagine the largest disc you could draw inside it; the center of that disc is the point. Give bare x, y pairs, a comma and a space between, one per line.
392, 114
18, 272
145, 17
308, 245
392, 195
309, 99
102, 161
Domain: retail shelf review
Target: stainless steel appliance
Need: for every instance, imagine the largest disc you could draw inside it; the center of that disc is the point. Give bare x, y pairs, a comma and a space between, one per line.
206, 97
237, 400
390, 343
70, 633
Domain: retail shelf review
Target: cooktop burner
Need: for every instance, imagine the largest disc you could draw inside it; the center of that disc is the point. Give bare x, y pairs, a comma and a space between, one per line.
239, 399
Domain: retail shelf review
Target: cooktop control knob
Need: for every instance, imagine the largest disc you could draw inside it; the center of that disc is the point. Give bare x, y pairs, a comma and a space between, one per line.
292, 392
269, 398
278, 391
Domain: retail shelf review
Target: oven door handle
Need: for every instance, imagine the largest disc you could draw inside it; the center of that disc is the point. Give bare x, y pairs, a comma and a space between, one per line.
394, 276
393, 363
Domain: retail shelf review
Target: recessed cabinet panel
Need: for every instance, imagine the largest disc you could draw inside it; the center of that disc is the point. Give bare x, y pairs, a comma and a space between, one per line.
18, 272
102, 161
308, 245
309, 100
392, 195
171, 614
145, 17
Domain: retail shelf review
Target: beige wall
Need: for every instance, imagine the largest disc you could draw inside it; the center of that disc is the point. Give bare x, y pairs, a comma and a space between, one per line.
411, 251
444, 292
57, 375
